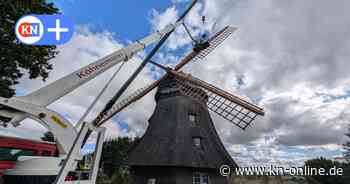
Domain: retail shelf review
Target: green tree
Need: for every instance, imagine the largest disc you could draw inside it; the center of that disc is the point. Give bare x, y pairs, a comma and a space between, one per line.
16, 58
115, 154
347, 156
347, 147
121, 176
326, 165
102, 179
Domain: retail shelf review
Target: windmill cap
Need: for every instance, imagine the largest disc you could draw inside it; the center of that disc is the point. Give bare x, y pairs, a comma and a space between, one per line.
169, 87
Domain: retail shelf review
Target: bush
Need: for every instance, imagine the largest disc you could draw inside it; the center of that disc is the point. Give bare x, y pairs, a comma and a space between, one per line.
327, 165
121, 176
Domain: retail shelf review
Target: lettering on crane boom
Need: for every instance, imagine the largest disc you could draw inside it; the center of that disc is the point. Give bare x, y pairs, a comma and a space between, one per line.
58, 121
88, 71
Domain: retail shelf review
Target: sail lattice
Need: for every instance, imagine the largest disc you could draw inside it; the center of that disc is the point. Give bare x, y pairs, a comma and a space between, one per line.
215, 41
232, 108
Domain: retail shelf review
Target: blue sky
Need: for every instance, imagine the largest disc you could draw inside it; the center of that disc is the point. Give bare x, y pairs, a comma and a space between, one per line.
128, 19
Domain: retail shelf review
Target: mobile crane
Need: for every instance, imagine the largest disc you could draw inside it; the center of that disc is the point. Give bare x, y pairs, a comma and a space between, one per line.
69, 140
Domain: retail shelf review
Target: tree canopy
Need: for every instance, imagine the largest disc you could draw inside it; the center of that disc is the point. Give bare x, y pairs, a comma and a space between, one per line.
115, 154
347, 147
16, 58
327, 165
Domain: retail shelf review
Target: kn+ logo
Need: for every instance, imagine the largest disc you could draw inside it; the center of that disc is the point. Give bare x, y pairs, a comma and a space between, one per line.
44, 29
29, 29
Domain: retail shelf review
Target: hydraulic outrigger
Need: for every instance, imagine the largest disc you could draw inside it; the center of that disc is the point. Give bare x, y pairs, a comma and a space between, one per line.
69, 141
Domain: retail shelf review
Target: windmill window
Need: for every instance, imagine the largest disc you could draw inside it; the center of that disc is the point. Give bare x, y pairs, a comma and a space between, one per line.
196, 178
197, 141
205, 179
200, 178
192, 118
151, 181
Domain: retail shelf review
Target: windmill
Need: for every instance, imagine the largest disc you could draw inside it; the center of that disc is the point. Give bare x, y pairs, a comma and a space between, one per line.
162, 155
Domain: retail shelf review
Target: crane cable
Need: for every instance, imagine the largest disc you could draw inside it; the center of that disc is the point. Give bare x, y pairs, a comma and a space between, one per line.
88, 110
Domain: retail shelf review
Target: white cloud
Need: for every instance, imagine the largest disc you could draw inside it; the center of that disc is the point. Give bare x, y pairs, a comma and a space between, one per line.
293, 58
159, 21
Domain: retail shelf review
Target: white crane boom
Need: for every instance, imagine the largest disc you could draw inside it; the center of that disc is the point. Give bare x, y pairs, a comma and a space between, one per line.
52, 92
61, 87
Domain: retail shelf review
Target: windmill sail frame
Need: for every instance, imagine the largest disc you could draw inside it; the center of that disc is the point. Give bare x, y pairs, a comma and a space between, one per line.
235, 109
231, 107
195, 55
